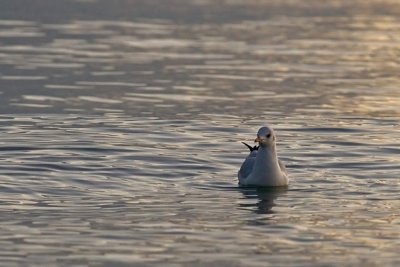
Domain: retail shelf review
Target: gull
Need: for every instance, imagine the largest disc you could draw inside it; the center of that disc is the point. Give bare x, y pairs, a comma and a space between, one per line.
262, 166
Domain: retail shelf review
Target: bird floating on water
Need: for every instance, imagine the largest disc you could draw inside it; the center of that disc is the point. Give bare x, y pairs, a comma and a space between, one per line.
262, 166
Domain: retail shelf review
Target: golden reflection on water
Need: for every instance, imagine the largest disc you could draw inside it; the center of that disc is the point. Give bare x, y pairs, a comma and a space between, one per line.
122, 133
374, 106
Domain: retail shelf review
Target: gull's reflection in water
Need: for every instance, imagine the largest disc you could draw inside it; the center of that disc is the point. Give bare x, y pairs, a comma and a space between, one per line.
265, 196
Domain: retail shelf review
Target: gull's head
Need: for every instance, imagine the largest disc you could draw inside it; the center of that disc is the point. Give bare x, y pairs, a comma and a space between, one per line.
265, 136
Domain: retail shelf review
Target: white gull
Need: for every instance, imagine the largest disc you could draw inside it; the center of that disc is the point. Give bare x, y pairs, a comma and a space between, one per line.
262, 166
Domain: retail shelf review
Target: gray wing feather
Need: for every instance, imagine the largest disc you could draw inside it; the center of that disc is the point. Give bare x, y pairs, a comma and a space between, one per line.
247, 166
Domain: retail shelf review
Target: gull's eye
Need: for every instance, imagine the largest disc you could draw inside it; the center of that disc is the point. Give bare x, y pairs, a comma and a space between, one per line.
269, 135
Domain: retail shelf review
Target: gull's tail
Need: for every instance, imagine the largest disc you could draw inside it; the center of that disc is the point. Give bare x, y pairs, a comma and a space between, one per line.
250, 147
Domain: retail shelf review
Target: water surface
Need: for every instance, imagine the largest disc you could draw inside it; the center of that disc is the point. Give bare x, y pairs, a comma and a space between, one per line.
121, 127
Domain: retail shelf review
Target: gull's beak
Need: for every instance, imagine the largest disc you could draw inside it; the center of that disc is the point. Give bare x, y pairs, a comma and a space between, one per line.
258, 139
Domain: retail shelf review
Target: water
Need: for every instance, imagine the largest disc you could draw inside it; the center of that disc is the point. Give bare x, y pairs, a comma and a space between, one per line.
121, 124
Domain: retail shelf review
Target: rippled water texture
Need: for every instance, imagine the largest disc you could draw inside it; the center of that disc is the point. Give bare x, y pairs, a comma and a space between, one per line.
121, 124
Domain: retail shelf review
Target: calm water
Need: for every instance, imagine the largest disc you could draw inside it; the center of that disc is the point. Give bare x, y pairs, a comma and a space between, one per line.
121, 124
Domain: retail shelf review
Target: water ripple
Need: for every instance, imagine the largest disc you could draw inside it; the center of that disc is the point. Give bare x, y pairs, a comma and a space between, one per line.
121, 126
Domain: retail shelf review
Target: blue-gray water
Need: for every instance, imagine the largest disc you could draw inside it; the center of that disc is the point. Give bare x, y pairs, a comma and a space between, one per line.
121, 124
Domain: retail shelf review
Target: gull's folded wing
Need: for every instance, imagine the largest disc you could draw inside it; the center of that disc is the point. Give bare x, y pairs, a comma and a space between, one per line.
247, 166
